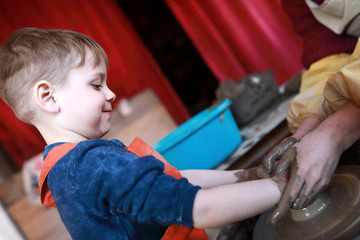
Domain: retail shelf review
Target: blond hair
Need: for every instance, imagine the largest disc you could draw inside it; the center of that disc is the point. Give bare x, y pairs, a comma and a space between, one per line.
32, 54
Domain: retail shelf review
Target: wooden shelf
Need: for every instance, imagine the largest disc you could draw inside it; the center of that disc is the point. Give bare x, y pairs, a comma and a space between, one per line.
263, 133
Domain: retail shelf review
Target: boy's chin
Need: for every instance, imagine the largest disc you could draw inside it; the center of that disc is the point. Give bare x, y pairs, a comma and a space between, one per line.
103, 133
98, 134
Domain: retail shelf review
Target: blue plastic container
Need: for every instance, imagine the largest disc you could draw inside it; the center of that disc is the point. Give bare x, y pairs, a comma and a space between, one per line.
202, 142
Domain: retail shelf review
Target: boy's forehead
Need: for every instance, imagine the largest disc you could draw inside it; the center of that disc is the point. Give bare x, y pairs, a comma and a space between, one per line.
89, 56
90, 64
90, 59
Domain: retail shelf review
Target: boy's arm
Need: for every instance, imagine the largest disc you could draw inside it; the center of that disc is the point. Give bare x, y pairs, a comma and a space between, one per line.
225, 204
212, 178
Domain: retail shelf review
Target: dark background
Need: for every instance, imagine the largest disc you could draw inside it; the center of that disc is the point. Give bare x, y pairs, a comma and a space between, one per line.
173, 51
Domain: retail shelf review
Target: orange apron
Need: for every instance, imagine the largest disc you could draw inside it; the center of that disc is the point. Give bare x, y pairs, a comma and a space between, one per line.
139, 148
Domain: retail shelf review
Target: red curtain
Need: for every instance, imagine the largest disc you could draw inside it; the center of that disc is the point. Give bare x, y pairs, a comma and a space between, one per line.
237, 37
132, 67
234, 37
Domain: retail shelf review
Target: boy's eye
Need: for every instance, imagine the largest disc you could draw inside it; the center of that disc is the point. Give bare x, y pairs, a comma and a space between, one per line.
97, 86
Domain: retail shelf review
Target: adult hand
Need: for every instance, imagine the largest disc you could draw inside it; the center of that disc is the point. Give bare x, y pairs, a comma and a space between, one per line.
316, 160
282, 172
276, 153
282, 209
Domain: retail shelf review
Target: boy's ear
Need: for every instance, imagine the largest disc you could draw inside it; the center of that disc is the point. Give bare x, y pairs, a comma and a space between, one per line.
43, 93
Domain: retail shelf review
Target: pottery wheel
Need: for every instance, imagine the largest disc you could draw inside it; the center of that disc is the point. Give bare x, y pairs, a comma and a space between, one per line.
334, 214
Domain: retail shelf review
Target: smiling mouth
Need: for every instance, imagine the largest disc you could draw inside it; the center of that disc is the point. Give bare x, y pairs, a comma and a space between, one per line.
107, 113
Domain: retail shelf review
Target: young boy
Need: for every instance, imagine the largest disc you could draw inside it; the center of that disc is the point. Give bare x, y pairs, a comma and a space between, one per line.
56, 80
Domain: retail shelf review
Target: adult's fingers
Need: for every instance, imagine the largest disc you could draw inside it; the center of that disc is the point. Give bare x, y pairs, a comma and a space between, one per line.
302, 197
287, 200
285, 162
306, 199
276, 153
283, 207
281, 173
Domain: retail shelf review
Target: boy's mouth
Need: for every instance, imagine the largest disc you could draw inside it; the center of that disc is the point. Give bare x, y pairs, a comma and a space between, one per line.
107, 112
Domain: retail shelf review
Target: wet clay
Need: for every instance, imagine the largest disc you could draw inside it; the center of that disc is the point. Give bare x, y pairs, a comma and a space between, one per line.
334, 214
246, 175
278, 151
250, 95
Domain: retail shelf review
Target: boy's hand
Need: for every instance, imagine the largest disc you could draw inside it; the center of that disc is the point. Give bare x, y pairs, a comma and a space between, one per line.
281, 171
283, 152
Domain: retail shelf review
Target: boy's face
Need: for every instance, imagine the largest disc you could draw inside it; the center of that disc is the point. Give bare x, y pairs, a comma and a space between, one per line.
85, 101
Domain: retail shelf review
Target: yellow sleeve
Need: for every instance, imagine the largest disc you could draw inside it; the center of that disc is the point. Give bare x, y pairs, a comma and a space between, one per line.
344, 86
310, 101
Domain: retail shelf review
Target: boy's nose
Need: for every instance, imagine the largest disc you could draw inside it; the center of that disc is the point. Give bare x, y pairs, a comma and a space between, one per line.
110, 96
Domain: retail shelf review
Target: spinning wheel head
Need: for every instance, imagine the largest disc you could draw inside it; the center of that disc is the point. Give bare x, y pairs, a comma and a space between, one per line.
334, 214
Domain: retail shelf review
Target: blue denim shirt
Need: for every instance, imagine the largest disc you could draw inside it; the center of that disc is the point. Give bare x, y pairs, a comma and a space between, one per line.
102, 191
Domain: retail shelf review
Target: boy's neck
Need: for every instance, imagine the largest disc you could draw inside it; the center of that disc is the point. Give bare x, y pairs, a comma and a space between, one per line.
53, 135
